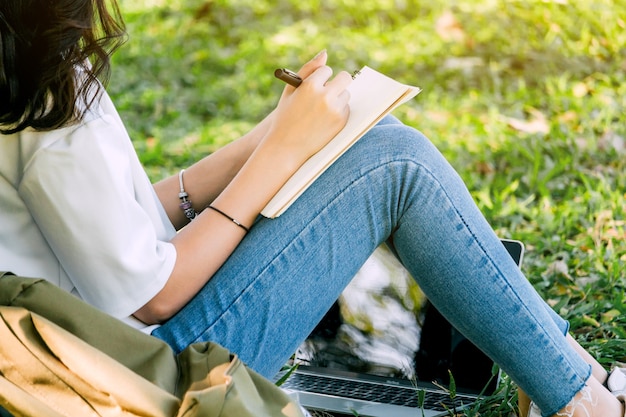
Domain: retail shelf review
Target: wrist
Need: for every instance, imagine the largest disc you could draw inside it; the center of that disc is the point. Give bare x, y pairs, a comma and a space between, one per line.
285, 147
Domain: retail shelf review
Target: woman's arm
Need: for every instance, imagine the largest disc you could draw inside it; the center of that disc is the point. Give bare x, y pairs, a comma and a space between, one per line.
207, 178
305, 120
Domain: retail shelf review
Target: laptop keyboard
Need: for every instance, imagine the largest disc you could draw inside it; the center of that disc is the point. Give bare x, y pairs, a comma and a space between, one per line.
361, 390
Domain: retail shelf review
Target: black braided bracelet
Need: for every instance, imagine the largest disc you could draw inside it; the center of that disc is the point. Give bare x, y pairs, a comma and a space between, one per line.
229, 218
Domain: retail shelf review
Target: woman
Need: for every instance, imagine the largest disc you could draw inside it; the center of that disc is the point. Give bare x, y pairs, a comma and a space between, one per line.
78, 210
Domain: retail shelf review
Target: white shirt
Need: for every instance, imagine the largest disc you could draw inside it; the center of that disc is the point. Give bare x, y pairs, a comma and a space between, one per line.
77, 209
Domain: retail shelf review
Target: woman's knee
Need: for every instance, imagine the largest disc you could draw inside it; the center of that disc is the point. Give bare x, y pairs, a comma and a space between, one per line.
399, 142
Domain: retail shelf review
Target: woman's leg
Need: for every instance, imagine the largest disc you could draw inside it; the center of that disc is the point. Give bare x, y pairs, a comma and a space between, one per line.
393, 183
598, 372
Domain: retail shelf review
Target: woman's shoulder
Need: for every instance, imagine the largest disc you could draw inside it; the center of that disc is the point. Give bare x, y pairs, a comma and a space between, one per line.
99, 130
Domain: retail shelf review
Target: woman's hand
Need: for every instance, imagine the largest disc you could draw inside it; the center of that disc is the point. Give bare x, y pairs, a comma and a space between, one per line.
307, 117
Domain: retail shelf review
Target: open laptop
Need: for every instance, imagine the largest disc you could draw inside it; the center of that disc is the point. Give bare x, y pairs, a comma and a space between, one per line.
384, 351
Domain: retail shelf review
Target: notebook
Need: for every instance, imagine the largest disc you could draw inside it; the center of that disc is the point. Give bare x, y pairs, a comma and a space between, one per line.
372, 96
383, 350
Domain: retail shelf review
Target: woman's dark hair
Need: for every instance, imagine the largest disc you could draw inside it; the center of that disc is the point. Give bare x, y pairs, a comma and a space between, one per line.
44, 45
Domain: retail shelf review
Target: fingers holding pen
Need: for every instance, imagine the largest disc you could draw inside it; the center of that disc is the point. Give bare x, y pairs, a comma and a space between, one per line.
317, 61
294, 79
317, 75
319, 87
326, 96
322, 77
320, 81
340, 84
338, 95
313, 108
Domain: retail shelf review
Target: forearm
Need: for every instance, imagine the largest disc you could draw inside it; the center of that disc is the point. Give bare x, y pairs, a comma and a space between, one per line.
207, 178
205, 244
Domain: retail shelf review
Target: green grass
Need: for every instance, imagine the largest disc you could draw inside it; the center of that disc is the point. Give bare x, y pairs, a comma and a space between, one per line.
525, 98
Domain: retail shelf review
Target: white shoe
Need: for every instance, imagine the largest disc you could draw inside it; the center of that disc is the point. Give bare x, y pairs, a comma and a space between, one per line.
533, 410
616, 383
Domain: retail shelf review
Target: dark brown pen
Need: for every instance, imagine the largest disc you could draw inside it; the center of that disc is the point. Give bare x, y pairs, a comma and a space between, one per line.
288, 76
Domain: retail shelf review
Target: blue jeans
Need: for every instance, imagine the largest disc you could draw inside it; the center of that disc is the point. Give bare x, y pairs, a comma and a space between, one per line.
392, 185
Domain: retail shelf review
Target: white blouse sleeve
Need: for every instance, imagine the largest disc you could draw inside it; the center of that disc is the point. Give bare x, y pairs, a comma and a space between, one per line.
100, 215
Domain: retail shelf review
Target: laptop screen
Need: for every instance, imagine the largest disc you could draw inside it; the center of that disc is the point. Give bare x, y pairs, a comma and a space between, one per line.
382, 326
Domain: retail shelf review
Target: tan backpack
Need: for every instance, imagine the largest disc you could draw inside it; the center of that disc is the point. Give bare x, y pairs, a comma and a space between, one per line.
62, 357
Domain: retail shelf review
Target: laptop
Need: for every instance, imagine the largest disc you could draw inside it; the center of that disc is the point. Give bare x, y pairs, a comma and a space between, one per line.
383, 350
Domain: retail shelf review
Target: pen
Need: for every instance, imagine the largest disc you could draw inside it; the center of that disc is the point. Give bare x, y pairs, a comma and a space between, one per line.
288, 76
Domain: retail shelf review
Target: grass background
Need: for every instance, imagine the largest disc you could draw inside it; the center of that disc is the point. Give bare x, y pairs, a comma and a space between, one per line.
525, 98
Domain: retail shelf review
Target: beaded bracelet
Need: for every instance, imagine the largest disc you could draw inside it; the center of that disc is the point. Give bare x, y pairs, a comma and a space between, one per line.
185, 204
229, 218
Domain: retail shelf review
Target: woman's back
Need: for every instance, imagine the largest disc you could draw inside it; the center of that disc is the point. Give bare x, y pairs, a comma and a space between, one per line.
76, 174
